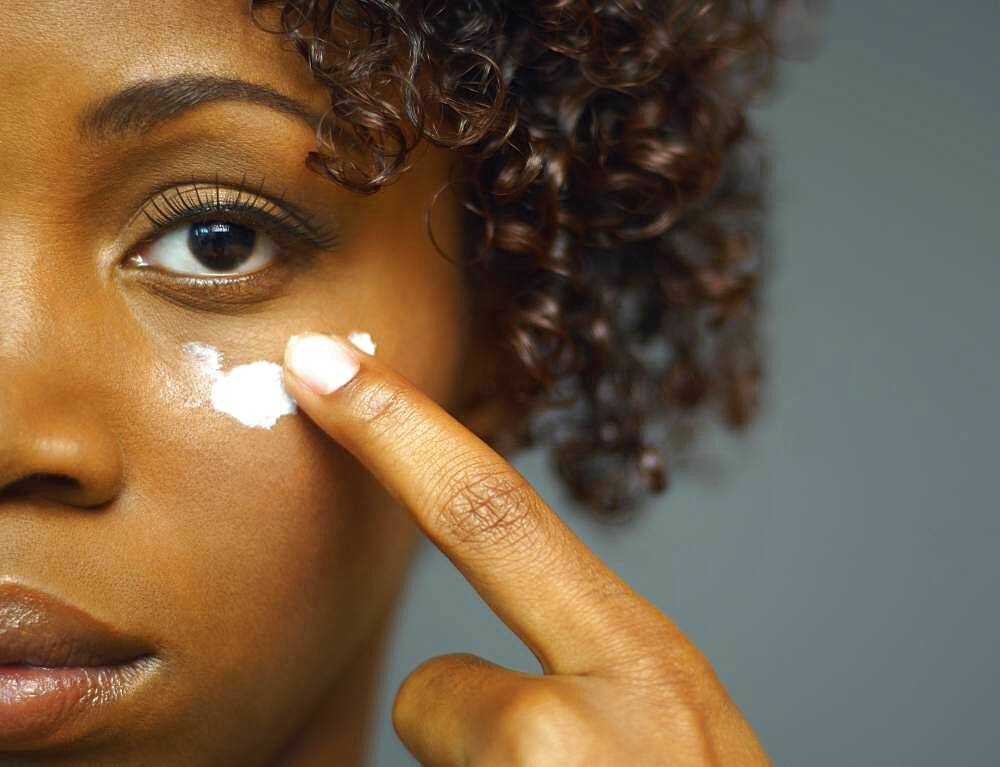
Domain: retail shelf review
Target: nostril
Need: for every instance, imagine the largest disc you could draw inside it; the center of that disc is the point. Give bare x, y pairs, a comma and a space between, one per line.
64, 457
33, 482
54, 479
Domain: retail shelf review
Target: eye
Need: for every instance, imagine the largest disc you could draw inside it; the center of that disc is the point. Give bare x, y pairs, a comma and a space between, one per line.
217, 247
210, 247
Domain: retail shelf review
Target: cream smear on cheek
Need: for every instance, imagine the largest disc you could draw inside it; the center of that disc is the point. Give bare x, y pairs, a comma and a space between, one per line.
254, 393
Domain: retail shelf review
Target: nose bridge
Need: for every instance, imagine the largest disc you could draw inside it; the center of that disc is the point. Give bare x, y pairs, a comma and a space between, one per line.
27, 306
60, 437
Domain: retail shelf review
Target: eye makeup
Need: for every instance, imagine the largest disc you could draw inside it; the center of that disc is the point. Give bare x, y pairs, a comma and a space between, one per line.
253, 393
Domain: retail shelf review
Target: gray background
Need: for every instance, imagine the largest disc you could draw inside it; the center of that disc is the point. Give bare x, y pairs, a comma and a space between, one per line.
842, 574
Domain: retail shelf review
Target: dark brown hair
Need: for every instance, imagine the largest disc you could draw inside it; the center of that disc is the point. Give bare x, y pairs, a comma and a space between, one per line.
613, 188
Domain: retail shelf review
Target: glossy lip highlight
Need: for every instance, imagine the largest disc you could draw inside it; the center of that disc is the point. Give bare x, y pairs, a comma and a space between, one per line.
61, 670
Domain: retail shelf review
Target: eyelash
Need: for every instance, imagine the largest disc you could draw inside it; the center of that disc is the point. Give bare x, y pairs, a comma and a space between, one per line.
196, 201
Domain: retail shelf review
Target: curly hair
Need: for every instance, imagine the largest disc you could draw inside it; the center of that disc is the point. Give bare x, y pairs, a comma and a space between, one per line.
613, 189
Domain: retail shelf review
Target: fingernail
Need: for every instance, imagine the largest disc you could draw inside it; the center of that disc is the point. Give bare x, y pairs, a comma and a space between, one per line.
322, 363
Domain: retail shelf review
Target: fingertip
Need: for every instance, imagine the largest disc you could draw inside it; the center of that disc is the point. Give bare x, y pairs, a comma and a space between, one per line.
322, 363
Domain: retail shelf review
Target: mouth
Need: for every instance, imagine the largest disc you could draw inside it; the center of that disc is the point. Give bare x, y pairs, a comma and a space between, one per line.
63, 673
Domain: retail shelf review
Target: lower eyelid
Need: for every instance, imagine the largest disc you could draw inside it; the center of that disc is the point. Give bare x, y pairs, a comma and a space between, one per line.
228, 294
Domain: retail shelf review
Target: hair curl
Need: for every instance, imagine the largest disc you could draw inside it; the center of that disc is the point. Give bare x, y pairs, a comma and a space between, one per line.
613, 188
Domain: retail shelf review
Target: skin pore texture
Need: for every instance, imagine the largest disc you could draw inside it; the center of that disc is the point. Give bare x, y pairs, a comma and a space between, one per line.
266, 603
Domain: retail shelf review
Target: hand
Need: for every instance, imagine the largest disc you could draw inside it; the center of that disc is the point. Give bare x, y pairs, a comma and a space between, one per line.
621, 684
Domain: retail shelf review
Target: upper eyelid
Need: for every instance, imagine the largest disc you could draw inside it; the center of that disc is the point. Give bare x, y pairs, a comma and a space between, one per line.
275, 209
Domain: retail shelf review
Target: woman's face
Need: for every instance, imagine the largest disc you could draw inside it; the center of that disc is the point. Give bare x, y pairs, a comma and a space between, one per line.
256, 563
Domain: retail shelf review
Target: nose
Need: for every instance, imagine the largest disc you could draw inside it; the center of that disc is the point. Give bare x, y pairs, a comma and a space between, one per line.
55, 447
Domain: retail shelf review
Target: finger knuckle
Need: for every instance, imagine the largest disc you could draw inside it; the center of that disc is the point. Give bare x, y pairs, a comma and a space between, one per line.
487, 506
383, 406
431, 680
437, 675
692, 675
691, 734
539, 724
658, 652
681, 683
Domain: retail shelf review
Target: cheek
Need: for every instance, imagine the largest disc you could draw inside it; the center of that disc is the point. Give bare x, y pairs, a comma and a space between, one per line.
262, 559
267, 557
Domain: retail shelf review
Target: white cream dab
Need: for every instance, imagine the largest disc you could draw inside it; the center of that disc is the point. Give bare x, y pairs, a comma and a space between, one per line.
254, 394
362, 340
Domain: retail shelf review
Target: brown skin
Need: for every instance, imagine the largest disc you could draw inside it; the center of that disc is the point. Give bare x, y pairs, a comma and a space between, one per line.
268, 602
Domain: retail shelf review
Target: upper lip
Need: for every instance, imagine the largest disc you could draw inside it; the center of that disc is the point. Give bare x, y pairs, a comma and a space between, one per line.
38, 629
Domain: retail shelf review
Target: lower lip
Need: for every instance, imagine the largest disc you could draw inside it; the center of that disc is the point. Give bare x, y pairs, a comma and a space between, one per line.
38, 702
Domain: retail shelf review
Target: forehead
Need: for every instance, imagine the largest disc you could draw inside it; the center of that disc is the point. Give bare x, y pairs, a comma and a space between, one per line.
56, 57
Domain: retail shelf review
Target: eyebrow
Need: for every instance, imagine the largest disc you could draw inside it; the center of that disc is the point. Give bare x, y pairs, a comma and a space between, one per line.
140, 107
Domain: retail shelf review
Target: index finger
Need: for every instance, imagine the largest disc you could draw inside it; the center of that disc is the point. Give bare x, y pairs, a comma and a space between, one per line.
531, 569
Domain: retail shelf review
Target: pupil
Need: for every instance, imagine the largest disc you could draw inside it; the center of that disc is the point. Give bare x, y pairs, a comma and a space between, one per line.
221, 245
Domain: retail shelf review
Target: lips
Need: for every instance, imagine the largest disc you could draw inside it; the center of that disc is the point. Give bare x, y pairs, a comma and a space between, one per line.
37, 630
62, 671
